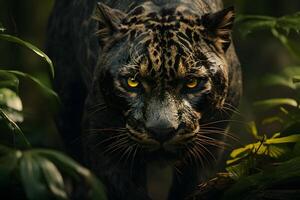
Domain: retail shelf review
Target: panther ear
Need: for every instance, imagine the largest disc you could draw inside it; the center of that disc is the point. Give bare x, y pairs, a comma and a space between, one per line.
218, 27
109, 21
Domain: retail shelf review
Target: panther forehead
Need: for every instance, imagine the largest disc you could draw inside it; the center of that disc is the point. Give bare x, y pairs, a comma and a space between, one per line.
171, 37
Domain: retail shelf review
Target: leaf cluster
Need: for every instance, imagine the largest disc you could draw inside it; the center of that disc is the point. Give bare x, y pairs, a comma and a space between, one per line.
42, 173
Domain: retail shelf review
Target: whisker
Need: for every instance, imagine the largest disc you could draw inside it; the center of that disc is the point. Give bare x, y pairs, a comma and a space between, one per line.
198, 157
126, 152
222, 111
90, 114
116, 145
105, 129
203, 147
220, 145
189, 154
119, 136
233, 111
224, 133
208, 138
133, 157
233, 108
221, 121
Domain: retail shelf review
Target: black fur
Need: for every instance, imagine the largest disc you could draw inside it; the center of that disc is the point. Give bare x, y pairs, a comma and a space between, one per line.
83, 81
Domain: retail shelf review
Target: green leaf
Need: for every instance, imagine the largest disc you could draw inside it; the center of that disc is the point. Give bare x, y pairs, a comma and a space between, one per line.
249, 23
240, 152
53, 178
291, 71
2, 29
15, 128
11, 104
296, 79
278, 80
8, 80
241, 169
276, 151
32, 178
35, 80
286, 42
251, 187
269, 147
73, 169
288, 139
271, 120
8, 162
253, 130
289, 22
287, 78
271, 103
31, 47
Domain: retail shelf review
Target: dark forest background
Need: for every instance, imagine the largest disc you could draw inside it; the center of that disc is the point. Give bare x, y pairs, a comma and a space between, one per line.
260, 55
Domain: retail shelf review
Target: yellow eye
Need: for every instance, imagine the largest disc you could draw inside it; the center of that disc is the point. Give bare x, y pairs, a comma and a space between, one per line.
132, 82
192, 83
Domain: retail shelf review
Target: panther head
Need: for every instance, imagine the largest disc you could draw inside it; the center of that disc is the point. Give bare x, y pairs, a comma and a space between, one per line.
164, 71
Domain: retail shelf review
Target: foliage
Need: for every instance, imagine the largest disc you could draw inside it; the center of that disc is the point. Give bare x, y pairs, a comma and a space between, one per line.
43, 173
261, 167
33, 48
279, 27
268, 168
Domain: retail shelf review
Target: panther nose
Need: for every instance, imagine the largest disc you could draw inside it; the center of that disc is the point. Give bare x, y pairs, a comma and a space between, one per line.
161, 131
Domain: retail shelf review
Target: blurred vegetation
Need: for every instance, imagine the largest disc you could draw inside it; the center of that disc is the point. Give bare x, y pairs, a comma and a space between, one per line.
265, 163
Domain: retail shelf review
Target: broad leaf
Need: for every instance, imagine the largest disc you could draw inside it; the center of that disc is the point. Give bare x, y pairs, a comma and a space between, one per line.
287, 78
8, 162
253, 130
29, 46
276, 151
24, 143
11, 104
32, 177
289, 22
278, 80
53, 178
76, 171
271, 103
35, 80
8, 80
252, 187
249, 23
271, 120
268, 147
294, 50
282, 140
296, 79
241, 169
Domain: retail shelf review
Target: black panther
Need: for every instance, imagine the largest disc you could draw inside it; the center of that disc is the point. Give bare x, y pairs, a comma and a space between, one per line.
148, 88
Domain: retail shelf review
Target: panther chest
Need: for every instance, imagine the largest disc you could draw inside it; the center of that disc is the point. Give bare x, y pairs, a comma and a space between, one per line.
159, 180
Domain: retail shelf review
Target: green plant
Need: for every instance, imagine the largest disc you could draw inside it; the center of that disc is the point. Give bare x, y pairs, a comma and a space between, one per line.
268, 168
42, 172
261, 169
279, 27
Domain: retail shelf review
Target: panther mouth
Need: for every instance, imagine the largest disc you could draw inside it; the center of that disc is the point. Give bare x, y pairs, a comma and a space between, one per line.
175, 144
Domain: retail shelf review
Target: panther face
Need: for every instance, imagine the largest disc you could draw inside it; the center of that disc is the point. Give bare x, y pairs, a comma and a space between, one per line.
164, 71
